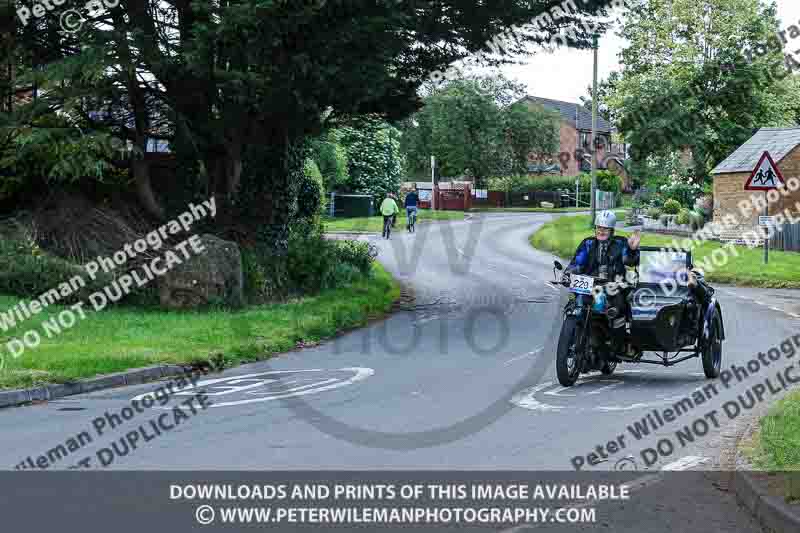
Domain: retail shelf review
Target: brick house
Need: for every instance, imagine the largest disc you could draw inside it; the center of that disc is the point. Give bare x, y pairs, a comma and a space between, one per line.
574, 141
731, 175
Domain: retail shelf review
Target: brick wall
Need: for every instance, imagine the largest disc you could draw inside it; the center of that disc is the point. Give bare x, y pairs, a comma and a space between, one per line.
568, 143
729, 191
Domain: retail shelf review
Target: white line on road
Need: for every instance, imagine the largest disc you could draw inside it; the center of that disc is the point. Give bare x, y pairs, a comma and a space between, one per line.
690, 461
551, 286
523, 356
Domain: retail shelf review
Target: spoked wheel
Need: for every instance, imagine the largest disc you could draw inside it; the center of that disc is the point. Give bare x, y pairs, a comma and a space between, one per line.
567, 363
609, 367
712, 349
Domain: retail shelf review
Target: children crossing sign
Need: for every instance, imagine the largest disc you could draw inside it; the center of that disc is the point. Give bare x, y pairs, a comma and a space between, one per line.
765, 176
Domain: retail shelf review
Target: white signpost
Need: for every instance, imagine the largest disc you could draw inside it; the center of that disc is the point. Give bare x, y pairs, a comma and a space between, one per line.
766, 221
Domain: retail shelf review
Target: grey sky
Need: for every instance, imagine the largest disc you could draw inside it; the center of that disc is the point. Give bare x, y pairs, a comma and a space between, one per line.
566, 74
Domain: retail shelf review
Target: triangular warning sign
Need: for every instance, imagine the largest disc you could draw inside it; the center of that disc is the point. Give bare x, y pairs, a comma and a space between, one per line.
765, 176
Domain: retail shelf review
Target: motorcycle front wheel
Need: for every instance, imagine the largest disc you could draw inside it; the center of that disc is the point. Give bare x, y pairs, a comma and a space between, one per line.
567, 360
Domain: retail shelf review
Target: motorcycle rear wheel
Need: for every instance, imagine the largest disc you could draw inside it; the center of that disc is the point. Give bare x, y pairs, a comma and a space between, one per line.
567, 360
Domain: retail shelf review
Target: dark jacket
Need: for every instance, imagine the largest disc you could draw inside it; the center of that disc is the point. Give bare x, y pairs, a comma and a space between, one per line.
619, 256
412, 199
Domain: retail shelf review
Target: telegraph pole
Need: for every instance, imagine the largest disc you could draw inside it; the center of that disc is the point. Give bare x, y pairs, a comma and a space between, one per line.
592, 149
433, 183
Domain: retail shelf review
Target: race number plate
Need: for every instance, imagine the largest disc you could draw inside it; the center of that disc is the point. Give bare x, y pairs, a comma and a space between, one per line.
581, 284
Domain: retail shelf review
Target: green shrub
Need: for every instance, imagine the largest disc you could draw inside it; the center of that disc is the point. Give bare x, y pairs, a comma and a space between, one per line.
683, 217
672, 207
654, 212
27, 271
608, 181
311, 194
697, 220
522, 183
312, 264
359, 255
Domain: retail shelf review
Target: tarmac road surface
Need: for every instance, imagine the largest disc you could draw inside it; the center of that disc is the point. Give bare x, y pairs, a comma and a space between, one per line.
461, 377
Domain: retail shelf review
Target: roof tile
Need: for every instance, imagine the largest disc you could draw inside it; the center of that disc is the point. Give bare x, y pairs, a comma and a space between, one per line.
568, 112
777, 141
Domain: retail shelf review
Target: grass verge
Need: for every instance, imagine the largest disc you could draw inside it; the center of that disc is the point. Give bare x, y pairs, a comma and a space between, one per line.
119, 339
375, 224
776, 446
563, 235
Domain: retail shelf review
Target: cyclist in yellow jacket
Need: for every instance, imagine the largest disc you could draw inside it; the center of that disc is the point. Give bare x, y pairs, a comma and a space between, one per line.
389, 210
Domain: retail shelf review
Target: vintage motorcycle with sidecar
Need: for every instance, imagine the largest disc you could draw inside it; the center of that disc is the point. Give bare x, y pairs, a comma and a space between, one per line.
672, 311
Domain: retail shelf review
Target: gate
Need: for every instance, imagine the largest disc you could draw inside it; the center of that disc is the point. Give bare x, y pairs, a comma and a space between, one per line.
787, 240
453, 197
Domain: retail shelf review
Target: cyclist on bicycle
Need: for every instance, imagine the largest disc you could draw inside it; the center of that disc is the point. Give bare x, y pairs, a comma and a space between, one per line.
412, 199
389, 210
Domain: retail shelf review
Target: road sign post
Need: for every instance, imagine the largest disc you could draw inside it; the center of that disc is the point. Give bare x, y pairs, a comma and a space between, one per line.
765, 177
433, 183
766, 230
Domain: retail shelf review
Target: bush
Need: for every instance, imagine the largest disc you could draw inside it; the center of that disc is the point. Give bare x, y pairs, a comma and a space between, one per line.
697, 220
523, 183
27, 271
311, 265
359, 255
682, 192
683, 217
654, 212
608, 181
311, 193
672, 207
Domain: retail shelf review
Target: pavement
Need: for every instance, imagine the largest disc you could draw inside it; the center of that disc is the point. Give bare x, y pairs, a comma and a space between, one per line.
460, 378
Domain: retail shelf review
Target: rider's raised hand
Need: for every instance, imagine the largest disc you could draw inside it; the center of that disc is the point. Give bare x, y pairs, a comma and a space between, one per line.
633, 240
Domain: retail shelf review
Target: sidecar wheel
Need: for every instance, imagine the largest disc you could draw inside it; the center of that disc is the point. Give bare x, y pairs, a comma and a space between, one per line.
712, 350
567, 367
609, 367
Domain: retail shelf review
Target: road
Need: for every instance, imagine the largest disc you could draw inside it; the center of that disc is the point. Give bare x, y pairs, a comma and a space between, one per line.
461, 377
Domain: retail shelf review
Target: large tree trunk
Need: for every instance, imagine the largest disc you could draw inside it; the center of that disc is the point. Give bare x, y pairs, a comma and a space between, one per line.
144, 188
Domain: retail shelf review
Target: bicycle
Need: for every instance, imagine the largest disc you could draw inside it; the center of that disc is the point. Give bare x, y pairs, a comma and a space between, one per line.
411, 214
387, 226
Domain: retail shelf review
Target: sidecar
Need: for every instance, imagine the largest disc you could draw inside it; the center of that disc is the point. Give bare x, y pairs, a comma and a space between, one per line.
674, 312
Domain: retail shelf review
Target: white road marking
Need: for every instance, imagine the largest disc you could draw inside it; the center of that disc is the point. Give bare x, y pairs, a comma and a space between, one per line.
228, 385
524, 276
527, 398
777, 309
523, 356
551, 286
685, 463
